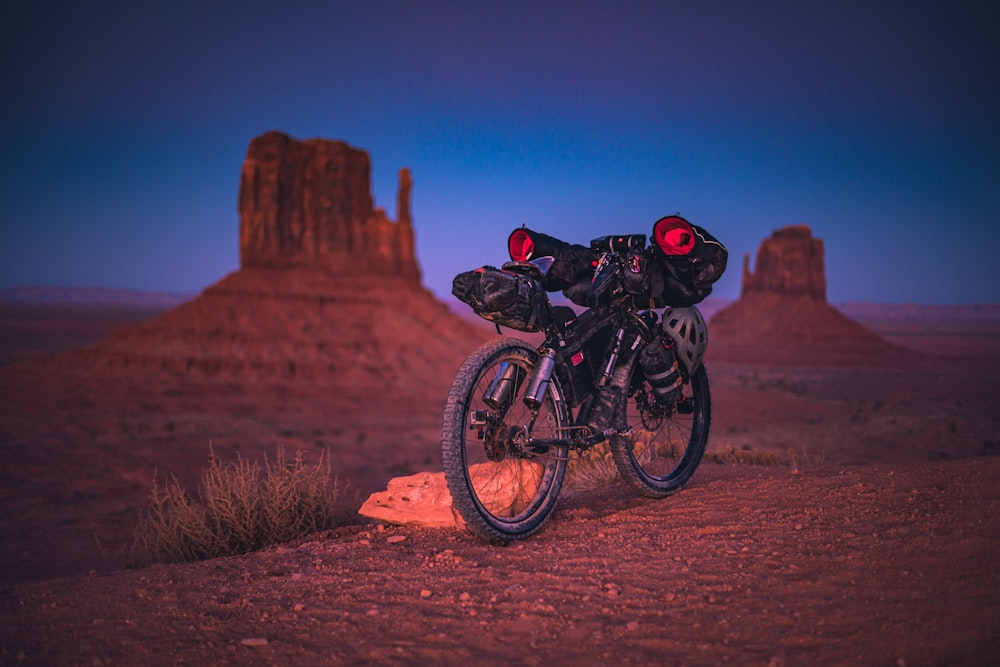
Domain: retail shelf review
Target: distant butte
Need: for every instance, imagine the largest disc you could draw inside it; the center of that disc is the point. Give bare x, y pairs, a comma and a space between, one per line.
783, 315
329, 287
309, 203
790, 262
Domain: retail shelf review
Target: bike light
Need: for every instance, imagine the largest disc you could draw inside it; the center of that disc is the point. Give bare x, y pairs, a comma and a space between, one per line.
674, 235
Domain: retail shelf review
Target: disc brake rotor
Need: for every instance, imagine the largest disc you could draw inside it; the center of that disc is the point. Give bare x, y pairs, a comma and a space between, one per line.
503, 441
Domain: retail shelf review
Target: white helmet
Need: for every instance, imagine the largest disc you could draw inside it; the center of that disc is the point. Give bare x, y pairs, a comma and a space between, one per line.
686, 328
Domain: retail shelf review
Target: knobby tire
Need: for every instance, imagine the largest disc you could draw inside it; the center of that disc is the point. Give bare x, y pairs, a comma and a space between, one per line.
502, 493
661, 455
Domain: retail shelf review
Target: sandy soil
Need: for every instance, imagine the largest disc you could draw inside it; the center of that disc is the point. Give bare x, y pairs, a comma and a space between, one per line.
32, 330
876, 565
881, 550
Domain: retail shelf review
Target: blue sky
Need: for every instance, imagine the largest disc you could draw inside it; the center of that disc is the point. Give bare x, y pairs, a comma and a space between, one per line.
124, 127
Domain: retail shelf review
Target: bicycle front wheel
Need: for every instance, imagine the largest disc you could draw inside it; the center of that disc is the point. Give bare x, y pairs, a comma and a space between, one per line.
502, 485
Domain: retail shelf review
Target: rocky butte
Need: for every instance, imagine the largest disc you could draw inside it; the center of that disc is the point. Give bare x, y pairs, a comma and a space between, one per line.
309, 203
328, 287
783, 316
791, 262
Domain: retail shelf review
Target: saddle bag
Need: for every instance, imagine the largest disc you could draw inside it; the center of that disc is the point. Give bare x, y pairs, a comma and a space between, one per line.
505, 298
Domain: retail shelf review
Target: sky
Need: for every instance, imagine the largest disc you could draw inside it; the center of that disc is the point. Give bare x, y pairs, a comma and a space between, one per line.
123, 128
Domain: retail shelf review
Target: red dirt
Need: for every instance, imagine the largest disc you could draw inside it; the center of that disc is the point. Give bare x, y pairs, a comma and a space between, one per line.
877, 565
881, 551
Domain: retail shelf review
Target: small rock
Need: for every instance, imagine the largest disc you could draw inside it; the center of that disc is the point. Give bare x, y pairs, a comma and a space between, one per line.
254, 641
425, 593
395, 539
632, 626
373, 612
299, 607
464, 597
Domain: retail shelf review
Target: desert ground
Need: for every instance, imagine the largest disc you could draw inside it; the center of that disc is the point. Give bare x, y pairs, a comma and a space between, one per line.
873, 540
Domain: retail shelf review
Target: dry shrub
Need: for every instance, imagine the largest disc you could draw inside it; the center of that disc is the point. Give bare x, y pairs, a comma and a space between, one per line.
238, 509
591, 470
727, 454
595, 469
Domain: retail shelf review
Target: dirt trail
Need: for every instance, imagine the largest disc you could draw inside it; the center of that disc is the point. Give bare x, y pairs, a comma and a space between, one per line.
873, 565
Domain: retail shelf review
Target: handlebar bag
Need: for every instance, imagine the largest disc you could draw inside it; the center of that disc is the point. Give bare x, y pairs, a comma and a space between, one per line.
506, 298
570, 262
690, 261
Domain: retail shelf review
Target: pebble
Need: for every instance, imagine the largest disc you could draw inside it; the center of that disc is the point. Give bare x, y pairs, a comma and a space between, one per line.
632, 625
254, 641
395, 539
425, 593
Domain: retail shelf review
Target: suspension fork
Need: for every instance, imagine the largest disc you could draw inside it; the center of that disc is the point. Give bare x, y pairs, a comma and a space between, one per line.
539, 382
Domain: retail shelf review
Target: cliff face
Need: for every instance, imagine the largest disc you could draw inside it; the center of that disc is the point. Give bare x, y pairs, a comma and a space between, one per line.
789, 262
309, 203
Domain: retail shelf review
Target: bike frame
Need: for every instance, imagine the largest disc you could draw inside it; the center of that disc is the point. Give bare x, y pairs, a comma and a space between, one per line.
630, 332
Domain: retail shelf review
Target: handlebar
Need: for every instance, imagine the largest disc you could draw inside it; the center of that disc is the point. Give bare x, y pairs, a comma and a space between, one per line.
626, 243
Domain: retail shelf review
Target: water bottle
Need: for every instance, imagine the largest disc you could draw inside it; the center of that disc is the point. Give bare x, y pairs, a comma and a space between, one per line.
659, 364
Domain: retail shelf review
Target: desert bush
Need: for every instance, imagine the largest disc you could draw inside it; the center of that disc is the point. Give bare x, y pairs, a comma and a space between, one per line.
592, 470
729, 455
239, 508
596, 469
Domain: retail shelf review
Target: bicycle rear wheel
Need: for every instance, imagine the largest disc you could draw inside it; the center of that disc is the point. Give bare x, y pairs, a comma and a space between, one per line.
667, 441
